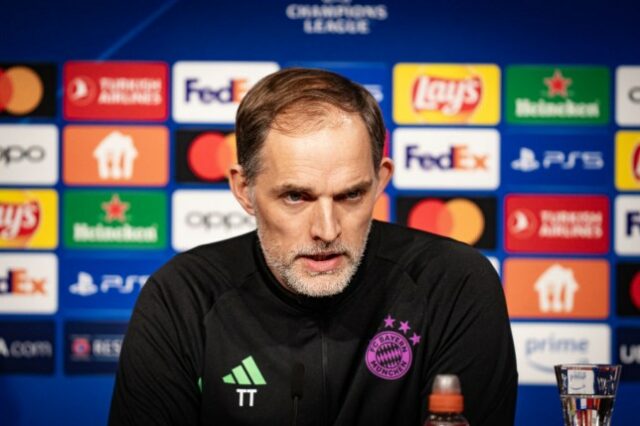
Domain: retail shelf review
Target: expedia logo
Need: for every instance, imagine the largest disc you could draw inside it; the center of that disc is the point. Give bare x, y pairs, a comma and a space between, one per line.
449, 96
27, 90
27, 347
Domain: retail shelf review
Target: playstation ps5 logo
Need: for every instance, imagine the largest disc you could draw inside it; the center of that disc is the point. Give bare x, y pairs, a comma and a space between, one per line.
586, 160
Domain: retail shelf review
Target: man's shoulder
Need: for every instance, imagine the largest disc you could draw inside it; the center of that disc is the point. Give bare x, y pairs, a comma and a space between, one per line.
219, 263
416, 250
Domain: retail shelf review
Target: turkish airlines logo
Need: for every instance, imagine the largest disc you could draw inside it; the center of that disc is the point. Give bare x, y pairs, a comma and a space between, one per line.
130, 91
449, 96
560, 224
28, 283
557, 288
470, 220
27, 90
209, 92
124, 156
204, 156
446, 158
201, 217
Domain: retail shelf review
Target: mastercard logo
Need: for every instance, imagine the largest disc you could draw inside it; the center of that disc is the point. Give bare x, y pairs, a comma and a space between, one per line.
458, 218
211, 154
21, 90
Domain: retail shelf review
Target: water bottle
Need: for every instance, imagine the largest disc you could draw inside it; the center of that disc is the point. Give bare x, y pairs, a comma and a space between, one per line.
446, 402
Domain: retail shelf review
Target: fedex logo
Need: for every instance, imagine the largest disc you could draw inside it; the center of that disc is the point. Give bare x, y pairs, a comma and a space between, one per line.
209, 92
458, 157
28, 283
446, 158
233, 92
627, 224
18, 281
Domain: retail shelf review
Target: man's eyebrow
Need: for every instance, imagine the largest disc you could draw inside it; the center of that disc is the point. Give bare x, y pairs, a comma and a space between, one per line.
291, 187
360, 186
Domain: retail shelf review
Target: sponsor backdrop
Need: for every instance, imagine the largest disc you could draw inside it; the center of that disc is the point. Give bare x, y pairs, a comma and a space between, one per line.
116, 132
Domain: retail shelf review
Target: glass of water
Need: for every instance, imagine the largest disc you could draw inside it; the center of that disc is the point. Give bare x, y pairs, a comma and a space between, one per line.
587, 392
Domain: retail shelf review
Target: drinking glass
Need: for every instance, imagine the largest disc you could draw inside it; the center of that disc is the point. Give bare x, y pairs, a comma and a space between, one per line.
587, 392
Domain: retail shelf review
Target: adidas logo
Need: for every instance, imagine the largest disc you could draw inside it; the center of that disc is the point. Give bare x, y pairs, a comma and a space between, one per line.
247, 373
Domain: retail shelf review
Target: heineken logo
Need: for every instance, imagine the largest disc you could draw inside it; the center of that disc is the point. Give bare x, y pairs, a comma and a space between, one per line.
126, 219
557, 95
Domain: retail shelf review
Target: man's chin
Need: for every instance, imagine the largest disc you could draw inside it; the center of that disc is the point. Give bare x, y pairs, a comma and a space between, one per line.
319, 284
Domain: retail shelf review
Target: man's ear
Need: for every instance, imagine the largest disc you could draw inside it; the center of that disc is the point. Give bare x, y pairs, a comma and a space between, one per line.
240, 188
385, 171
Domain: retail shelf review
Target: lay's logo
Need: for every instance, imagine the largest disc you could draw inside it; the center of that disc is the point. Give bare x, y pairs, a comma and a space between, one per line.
28, 219
446, 94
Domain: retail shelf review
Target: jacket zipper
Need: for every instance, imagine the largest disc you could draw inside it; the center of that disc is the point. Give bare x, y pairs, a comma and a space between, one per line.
325, 368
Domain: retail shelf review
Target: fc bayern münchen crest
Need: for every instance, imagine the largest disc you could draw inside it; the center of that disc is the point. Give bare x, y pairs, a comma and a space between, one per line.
389, 354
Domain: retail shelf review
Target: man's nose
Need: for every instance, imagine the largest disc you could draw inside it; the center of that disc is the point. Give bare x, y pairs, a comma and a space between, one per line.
325, 223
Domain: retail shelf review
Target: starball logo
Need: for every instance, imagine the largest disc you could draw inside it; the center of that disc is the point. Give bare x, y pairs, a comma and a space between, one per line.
209, 92
27, 90
446, 94
128, 91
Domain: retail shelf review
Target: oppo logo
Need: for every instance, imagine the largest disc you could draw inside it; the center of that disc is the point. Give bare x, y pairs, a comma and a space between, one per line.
15, 153
214, 220
634, 95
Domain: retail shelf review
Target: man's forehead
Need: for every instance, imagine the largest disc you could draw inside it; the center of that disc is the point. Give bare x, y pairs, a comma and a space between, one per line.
304, 118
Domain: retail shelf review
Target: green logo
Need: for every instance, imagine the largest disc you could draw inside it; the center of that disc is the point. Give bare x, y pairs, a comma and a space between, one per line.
115, 219
557, 95
247, 373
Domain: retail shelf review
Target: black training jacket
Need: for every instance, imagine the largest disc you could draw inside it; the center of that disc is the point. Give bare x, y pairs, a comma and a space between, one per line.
214, 339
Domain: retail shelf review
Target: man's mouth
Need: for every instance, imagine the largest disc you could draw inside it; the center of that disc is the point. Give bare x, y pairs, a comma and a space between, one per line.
323, 262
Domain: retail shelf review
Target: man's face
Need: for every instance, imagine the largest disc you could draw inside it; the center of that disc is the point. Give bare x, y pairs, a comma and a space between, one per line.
313, 200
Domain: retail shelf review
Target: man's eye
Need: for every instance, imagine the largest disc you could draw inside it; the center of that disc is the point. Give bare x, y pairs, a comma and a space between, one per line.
293, 197
353, 195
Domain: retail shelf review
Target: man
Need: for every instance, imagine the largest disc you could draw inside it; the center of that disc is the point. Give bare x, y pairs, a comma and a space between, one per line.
321, 317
